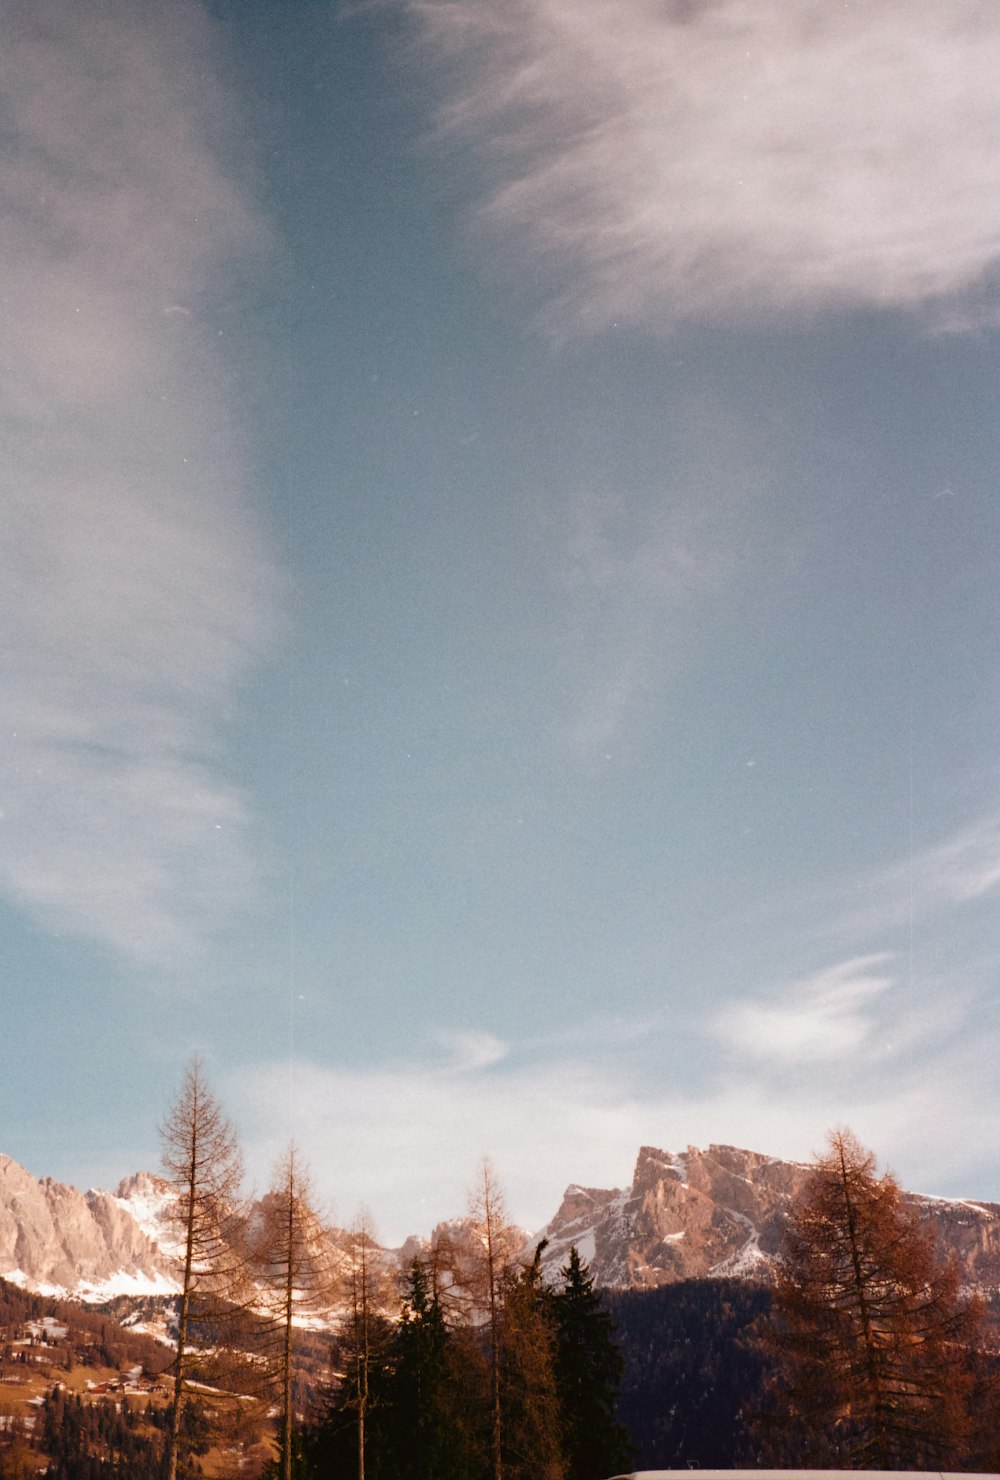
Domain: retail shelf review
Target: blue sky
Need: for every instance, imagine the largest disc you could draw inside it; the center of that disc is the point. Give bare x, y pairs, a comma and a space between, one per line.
499, 583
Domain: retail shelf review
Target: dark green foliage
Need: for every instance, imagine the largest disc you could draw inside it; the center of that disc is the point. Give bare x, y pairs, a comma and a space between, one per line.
433, 1428
589, 1368
301, 1465
330, 1442
430, 1403
695, 1373
84, 1440
18, 1306
89, 1441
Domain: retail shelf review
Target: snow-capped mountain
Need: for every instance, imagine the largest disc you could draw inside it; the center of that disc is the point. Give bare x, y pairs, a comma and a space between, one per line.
715, 1212
95, 1245
722, 1212
58, 1240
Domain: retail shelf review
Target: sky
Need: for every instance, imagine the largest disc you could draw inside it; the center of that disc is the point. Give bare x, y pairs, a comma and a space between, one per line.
498, 576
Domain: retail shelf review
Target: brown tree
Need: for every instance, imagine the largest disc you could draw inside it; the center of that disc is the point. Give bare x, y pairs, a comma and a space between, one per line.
532, 1437
293, 1257
871, 1327
495, 1241
204, 1168
364, 1335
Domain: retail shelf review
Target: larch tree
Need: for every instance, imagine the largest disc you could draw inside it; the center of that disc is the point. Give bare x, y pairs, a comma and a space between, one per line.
871, 1326
293, 1258
347, 1433
532, 1429
204, 1169
366, 1328
496, 1243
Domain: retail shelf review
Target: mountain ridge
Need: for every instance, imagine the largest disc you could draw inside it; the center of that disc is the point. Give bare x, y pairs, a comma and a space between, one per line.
57, 1240
692, 1214
722, 1211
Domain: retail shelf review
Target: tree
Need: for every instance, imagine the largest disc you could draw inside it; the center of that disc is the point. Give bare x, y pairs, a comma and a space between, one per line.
293, 1256
532, 1438
871, 1327
362, 1360
496, 1242
18, 1460
696, 1377
431, 1436
204, 1168
589, 1370
361, 1326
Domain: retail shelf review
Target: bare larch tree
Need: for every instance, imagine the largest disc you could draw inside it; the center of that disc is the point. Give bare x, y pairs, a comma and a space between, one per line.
296, 1271
204, 1168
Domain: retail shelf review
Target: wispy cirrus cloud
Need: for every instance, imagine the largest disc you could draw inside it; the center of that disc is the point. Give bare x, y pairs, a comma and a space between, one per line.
636, 570
667, 162
404, 1137
819, 1019
964, 867
134, 586
629, 585
948, 875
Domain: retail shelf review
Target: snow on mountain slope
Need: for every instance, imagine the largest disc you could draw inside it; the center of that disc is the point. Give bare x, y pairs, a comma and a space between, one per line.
716, 1212
58, 1240
722, 1212
147, 1198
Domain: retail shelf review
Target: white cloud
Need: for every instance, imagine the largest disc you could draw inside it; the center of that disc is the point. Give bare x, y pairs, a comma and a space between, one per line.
472, 1050
134, 590
629, 585
962, 868
404, 1138
666, 161
638, 569
956, 872
821, 1018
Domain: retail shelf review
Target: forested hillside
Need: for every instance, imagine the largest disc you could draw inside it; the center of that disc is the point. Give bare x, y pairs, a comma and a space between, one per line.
695, 1372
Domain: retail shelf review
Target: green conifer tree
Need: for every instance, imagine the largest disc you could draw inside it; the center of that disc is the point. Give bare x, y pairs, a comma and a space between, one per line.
431, 1435
588, 1375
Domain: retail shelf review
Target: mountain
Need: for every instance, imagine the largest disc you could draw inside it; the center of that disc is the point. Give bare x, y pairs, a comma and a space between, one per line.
91, 1244
722, 1212
98, 1245
699, 1213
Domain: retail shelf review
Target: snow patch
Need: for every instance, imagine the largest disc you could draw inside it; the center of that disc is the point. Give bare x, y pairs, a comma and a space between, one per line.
124, 1283
586, 1247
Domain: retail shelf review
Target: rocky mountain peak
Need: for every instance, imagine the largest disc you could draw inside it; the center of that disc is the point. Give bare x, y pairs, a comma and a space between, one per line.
722, 1211
696, 1213
56, 1238
142, 1185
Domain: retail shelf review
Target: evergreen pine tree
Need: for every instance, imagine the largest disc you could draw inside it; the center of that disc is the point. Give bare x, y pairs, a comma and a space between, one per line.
350, 1435
588, 1375
431, 1437
331, 1443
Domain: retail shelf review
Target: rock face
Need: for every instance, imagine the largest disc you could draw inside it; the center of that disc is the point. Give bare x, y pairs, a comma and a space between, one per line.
695, 1214
722, 1212
53, 1237
94, 1245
